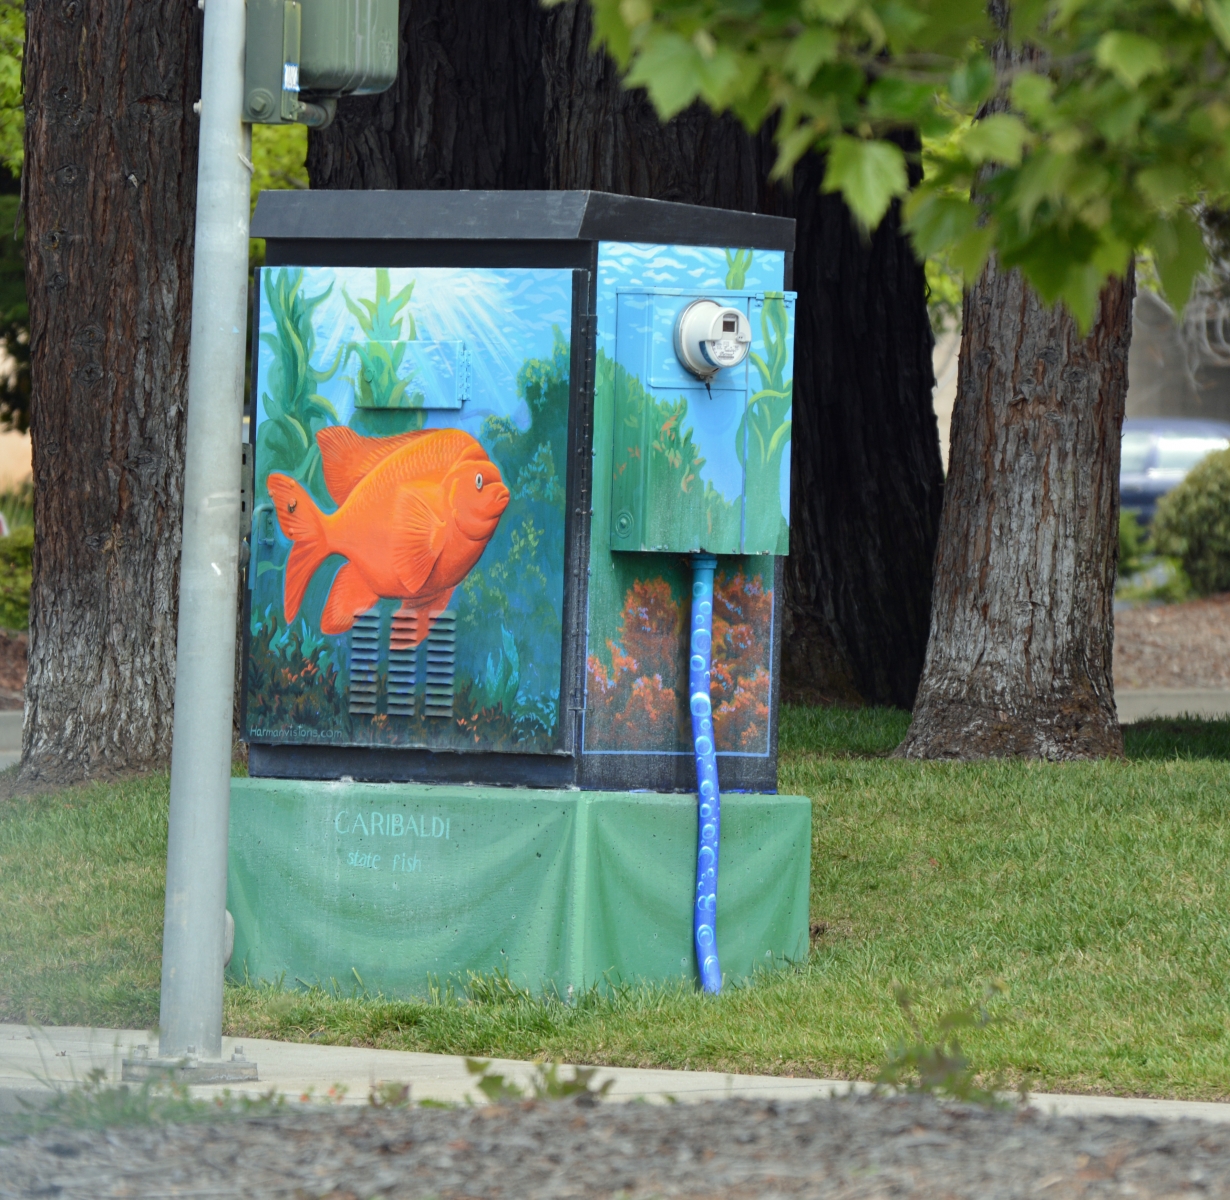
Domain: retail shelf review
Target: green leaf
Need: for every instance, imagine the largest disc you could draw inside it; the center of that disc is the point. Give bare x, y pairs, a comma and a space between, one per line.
1031, 93
970, 254
671, 70
972, 82
868, 174
998, 138
835, 11
1178, 251
898, 99
1129, 56
808, 53
937, 222
1218, 14
1163, 186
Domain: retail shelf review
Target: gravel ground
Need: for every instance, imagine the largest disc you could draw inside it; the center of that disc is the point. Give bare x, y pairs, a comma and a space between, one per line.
849, 1148
1175, 645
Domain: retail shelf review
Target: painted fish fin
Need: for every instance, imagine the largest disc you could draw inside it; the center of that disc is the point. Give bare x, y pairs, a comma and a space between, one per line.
349, 596
417, 534
348, 456
417, 617
304, 524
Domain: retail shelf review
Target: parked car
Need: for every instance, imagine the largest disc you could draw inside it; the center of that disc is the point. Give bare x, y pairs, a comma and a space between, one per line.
1158, 452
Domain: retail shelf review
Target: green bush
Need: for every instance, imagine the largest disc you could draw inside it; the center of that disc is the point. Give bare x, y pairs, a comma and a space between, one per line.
1132, 544
15, 578
1192, 524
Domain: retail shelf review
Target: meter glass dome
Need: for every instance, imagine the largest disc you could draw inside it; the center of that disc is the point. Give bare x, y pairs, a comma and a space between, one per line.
710, 338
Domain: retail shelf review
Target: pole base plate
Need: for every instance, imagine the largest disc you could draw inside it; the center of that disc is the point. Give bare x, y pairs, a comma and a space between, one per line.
141, 1067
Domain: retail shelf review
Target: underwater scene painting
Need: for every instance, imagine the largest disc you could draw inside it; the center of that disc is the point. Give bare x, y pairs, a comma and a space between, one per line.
690, 468
408, 527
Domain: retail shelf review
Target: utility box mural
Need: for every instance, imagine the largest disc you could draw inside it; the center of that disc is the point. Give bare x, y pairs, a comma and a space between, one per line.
489, 430
407, 547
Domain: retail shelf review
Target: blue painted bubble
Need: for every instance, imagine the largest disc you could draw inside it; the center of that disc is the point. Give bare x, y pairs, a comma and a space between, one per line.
697, 663
706, 789
699, 587
703, 745
705, 608
704, 935
701, 707
705, 857
701, 641
706, 811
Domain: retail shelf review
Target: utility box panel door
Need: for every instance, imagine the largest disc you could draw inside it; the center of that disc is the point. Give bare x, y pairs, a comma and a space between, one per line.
407, 573
696, 466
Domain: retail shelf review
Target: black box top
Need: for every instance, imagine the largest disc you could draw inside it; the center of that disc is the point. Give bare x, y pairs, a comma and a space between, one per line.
510, 217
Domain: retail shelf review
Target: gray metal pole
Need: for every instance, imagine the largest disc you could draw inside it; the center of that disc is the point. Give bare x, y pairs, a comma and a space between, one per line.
193, 930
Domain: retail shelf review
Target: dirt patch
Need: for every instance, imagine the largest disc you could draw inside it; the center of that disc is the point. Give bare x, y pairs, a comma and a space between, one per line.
1174, 645
843, 1149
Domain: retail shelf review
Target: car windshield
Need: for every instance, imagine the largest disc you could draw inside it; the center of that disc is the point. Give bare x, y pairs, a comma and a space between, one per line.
1136, 446
1183, 453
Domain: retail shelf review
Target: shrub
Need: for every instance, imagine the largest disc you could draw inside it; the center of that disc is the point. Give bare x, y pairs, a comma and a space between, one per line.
1132, 539
1193, 524
16, 573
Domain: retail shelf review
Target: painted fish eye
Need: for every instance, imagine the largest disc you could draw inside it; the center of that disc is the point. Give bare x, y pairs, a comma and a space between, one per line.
478, 482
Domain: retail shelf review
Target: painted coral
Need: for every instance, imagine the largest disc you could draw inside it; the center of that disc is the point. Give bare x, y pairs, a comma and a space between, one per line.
639, 701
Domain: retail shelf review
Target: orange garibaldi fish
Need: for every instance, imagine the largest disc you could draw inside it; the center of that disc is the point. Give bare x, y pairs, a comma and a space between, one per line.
415, 513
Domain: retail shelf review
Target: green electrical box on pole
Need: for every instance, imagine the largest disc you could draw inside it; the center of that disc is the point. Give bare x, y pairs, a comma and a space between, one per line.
303, 54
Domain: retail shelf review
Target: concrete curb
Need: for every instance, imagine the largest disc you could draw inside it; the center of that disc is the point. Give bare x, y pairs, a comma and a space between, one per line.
34, 1061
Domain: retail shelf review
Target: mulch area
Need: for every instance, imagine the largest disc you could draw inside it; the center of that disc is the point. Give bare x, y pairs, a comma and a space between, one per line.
12, 669
1174, 645
842, 1149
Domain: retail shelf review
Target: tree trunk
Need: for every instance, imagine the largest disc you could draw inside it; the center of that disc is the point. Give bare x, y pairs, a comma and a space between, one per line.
546, 112
1019, 658
110, 194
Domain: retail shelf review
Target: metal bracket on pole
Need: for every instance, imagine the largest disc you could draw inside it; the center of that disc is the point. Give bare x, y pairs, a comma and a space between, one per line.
194, 930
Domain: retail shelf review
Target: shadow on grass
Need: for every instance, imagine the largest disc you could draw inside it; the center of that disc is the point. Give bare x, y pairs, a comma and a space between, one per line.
1178, 737
876, 732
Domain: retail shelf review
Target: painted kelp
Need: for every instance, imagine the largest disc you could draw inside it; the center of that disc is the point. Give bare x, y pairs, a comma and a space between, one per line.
478, 359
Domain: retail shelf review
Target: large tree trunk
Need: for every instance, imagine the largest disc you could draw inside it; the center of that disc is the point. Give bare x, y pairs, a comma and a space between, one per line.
527, 105
1022, 626
110, 194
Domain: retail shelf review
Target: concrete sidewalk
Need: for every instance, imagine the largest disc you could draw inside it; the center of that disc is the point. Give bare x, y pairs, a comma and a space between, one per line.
32, 1060
1140, 704
10, 737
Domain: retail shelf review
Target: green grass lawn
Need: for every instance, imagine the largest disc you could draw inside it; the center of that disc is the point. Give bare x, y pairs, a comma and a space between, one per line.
1094, 893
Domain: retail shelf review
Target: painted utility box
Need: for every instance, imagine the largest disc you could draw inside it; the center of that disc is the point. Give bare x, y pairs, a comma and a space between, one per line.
485, 441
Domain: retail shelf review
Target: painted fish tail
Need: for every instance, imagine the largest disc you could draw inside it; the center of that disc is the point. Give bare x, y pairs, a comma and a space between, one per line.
304, 524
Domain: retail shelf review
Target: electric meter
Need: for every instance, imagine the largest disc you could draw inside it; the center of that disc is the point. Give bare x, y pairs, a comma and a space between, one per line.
709, 338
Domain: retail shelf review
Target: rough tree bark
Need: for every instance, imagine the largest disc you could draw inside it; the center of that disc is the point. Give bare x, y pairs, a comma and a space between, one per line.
110, 194
1022, 625
525, 104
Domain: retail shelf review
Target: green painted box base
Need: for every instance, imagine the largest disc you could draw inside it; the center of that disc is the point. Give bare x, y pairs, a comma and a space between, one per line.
403, 883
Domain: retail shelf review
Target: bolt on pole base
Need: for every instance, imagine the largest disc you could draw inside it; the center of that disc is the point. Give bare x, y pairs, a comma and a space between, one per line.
190, 1070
